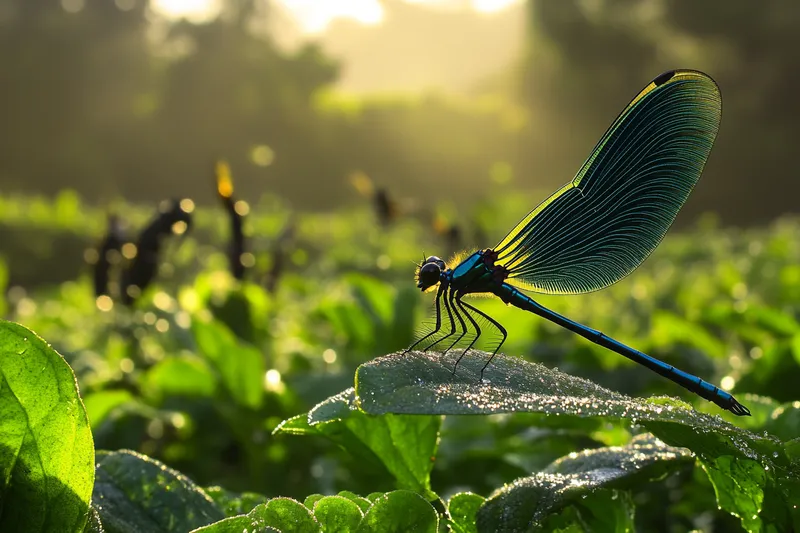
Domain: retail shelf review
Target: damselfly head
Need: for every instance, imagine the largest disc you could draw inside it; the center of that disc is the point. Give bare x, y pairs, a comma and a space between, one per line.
430, 272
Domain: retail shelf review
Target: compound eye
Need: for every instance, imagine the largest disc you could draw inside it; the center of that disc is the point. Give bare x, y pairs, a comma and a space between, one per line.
435, 260
428, 275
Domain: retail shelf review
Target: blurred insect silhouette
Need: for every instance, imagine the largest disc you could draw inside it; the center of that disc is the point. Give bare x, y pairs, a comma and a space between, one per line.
236, 212
109, 255
599, 227
174, 218
387, 210
280, 255
450, 232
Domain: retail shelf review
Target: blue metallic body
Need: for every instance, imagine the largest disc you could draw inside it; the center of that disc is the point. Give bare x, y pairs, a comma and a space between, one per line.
476, 274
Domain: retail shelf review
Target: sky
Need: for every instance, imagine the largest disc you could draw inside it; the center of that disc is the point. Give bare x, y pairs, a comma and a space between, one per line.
313, 16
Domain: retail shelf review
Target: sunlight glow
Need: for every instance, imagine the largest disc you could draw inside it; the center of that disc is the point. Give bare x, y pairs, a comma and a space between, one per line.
312, 16
193, 10
490, 6
315, 15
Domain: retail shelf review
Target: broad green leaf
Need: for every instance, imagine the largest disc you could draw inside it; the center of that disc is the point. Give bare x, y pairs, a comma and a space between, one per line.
784, 421
234, 504
337, 514
135, 493
241, 367
463, 509
3, 283
669, 328
334, 409
399, 512
527, 502
607, 511
286, 515
363, 503
93, 525
311, 499
423, 383
100, 404
179, 376
46, 448
297, 425
405, 445
237, 524
739, 485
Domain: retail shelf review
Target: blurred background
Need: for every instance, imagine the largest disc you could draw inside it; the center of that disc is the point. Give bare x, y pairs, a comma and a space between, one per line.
440, 99
201, 303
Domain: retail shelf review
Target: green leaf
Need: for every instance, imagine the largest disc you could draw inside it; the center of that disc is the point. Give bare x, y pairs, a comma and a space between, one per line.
669, 328
100, 404
136, 493
3, 283
46, 448
311, 499
527, 502
607, 511
179, 376
363, 503
297, 425
93, 525
237, 524
463, 509
337, 514
283, 515
739, 485
784, 421
400, 511
233, 504
404, 445
423, 383
286, 515
241, 367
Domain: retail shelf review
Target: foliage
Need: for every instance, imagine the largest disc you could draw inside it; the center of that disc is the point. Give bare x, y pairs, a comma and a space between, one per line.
139, 107
222, 406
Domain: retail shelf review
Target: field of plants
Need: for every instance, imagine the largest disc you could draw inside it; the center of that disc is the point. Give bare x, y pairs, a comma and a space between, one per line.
284, 403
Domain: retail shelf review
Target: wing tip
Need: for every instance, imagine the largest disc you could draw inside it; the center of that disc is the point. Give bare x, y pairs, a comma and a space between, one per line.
664, 77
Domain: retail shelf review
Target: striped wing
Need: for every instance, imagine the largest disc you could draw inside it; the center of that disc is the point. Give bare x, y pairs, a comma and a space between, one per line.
599, 227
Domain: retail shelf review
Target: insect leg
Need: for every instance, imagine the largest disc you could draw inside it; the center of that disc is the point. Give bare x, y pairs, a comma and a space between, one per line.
496, 324
461, 304
452, 325
438, 320
451, 295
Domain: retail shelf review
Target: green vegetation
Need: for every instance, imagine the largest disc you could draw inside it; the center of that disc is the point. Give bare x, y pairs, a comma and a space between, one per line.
289, 410
127, 104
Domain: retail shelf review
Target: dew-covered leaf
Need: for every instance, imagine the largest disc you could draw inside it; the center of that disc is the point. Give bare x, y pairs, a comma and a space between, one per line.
233, 504
93, 525
46, 447
286, 515
404, 445
237, 524
423, 383
463, 509
134, 493
311, 499
297, 425
607, 511
337, 514
399, 512
363, 503
739, 485
526, 502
